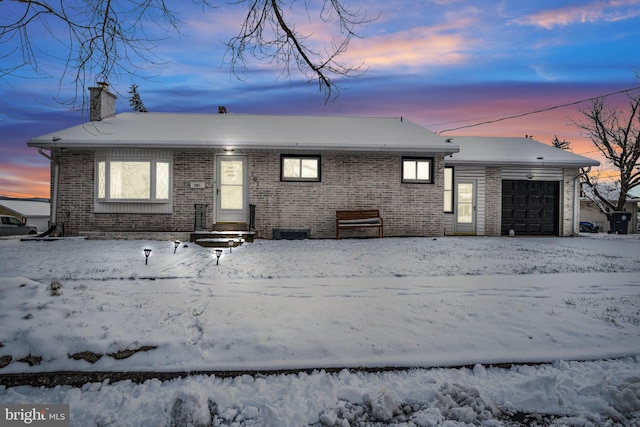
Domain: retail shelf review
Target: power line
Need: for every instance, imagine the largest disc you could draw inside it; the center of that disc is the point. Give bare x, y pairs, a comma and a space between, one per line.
542, 110
589, 152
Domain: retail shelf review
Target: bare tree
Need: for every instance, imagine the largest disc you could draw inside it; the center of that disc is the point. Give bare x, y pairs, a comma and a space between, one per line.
106, 39
616, 134
563, 145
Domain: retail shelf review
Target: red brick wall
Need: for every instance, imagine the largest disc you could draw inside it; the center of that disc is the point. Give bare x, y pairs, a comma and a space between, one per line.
349, 181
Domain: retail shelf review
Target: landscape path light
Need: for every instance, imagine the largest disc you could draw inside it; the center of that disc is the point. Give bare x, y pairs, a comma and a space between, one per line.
147, 252
230, 245
175, 246
218, 253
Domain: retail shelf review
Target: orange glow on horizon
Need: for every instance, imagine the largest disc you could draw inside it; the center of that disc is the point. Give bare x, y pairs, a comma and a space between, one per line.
24, 181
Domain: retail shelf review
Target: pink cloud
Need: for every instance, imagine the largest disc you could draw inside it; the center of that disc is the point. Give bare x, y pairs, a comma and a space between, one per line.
609, 11
412, 48
24, 181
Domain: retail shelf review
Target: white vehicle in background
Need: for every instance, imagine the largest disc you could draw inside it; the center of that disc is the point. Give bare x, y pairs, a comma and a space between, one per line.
11, 226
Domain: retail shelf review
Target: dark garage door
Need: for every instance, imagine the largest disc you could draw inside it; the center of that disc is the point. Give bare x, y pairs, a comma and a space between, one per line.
530, 207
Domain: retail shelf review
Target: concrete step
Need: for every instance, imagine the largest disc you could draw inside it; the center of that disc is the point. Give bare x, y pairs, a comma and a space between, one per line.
219, 243
220, 239
230, 226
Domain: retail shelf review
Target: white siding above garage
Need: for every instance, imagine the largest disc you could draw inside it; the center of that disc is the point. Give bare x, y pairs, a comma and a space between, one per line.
534, 174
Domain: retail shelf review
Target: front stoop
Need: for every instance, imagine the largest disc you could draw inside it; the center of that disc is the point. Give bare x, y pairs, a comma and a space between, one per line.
222, 234
216, 242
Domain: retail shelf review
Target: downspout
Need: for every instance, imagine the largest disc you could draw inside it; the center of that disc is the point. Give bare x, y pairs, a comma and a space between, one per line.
576, 200
54, 196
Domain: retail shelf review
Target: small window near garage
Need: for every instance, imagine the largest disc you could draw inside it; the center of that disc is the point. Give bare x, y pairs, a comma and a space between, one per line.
417, 170
300, 168
448, 189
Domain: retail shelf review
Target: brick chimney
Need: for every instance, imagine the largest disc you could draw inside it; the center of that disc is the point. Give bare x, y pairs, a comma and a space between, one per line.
102, 103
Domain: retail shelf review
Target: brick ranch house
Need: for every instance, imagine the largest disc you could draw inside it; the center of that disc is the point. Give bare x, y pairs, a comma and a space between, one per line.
164, 175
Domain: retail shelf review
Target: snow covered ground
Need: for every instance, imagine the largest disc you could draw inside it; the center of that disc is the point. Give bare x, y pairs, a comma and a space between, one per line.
314, 304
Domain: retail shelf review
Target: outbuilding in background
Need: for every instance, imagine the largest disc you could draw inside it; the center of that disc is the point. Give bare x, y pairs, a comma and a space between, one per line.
35, 212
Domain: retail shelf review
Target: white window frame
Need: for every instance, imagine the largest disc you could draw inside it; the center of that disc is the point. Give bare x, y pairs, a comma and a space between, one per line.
448, 189
300, 158
415, 162
103, 192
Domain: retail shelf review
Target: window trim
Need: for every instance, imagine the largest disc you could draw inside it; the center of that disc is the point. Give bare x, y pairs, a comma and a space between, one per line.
428, 160
453, 187
300, 157
153, 163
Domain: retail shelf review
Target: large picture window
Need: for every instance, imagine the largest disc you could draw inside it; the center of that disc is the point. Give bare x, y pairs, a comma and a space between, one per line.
417, 170
139, 180
299, 168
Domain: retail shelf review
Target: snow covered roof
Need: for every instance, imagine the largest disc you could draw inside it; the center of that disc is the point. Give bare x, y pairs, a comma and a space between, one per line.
248, 131
610, 192
28, 208
501, 151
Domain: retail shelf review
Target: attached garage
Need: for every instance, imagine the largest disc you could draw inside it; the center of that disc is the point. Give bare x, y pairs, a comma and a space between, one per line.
530, 207
519, 184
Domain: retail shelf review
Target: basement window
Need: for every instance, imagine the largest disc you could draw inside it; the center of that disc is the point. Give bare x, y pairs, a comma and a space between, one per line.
417, 170
299, 168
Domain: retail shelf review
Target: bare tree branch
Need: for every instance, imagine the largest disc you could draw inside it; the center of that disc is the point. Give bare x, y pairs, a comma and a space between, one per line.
267, 34
563, 145
106, 39
616, 134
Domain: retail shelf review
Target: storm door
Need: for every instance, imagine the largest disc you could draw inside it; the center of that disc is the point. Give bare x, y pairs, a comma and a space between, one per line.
231, 189
465, 207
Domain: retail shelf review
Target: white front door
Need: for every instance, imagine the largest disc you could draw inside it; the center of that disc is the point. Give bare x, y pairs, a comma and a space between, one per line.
465, 205
231, 189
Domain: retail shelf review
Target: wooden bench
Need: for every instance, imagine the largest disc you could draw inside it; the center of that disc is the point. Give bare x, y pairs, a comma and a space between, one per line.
368, 218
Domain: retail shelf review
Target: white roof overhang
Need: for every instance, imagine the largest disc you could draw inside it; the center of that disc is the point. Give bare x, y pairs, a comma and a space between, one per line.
248, 132
513, 152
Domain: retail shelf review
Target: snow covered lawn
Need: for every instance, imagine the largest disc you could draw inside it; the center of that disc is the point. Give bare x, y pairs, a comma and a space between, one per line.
379, 303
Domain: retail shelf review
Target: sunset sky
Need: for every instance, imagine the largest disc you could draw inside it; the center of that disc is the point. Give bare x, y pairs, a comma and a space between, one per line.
444, 64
